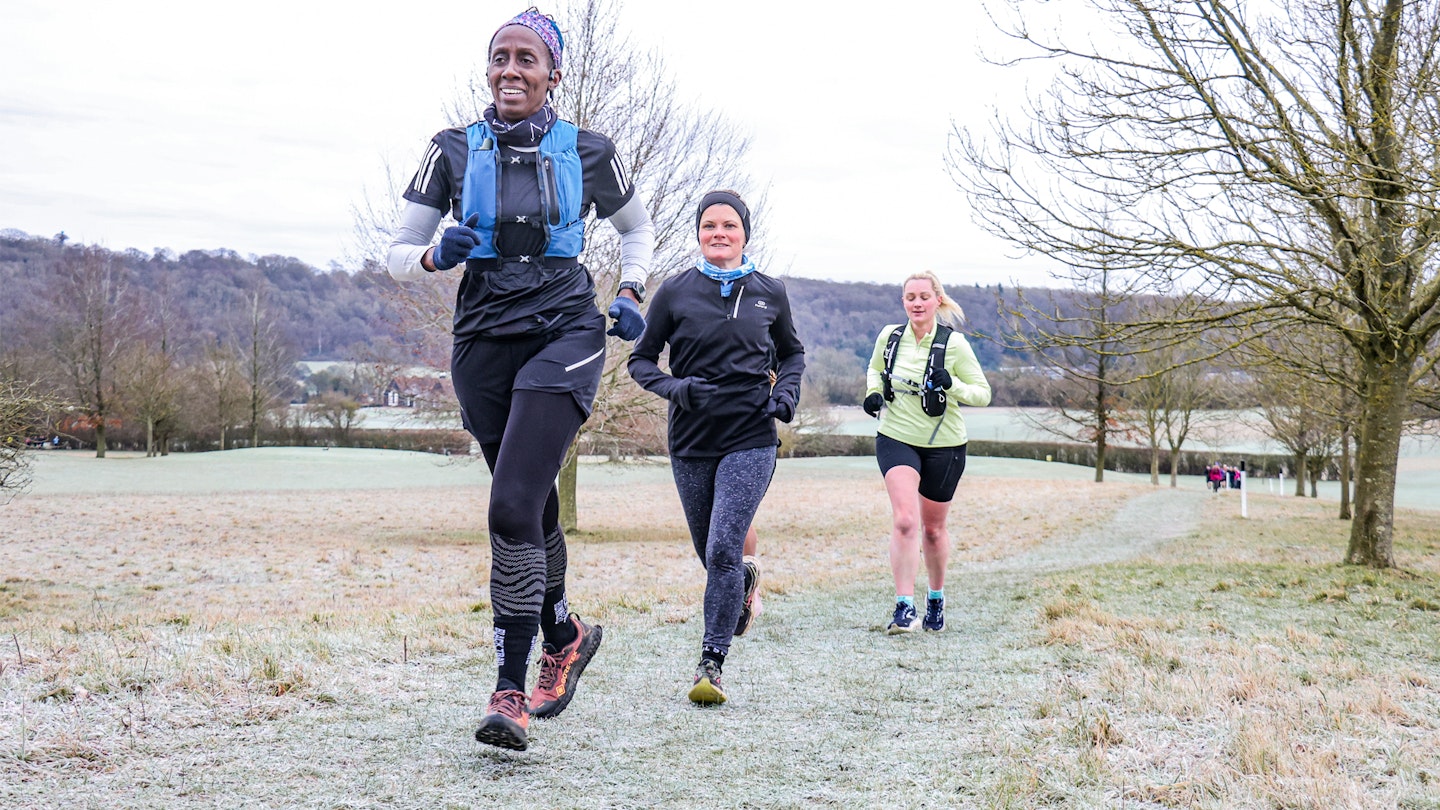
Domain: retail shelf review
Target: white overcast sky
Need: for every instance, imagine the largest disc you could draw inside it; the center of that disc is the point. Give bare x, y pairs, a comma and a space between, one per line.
259, 126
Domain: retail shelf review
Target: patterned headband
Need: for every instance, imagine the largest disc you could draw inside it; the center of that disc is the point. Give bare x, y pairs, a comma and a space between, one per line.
544, 27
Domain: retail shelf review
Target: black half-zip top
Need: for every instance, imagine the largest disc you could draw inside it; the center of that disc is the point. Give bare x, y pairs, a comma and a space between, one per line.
754, 336
735, 310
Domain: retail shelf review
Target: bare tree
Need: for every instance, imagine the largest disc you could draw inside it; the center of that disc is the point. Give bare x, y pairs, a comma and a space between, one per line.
1172, 397
674, 152
424, 307
1294, 415
220, 391
812, 417
22, 412
337, 412
151, 374
1307, 385
269, 360
1280, 158
92, 321
1081, 357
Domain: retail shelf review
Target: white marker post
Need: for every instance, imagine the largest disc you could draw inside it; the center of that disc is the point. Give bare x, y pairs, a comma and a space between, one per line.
1241, 478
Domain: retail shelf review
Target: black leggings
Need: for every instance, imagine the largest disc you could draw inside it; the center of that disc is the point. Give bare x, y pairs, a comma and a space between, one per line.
524, 401
524, 504
528, 558
720, 497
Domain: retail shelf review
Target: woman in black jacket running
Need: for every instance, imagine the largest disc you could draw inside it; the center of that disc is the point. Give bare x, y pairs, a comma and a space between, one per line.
728, 327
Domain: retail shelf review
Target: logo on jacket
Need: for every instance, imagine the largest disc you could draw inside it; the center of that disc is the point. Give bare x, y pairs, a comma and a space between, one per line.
760, 304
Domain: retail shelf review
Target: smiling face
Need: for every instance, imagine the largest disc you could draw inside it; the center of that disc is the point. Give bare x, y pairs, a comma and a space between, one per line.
519, 73
921, 303
722, 236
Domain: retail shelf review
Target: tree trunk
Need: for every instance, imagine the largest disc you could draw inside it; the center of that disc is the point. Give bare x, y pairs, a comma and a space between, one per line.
100, 438
1100, 438
569, 519
1301, 469
1372, 532
1155, 465
1346, 474
1174, 468
149, 438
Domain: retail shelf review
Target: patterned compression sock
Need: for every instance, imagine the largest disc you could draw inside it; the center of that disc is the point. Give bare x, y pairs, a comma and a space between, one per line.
555, 624
513, 644
909, 600
940, 594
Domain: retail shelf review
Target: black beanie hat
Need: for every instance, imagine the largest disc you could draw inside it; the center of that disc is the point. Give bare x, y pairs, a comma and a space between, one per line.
724, 198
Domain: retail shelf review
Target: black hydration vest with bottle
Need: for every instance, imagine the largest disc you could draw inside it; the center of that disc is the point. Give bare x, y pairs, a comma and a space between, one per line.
932, 397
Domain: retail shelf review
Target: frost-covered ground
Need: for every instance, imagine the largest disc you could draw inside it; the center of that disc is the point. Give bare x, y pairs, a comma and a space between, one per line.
299, 468
309, 628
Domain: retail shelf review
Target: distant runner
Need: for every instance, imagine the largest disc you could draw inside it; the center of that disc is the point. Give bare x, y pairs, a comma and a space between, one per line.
915, 372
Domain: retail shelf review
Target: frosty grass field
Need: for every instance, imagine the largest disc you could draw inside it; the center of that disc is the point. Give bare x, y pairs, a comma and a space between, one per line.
310, 628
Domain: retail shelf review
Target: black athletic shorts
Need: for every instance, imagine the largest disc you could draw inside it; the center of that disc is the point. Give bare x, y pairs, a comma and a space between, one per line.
940, 468
487, 372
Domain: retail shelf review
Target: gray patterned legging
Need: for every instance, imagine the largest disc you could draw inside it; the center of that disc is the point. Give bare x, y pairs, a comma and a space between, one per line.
720, 497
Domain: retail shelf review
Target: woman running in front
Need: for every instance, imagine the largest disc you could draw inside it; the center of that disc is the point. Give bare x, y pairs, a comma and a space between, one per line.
529, 341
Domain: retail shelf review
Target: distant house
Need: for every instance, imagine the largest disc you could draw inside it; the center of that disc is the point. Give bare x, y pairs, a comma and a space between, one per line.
419, 391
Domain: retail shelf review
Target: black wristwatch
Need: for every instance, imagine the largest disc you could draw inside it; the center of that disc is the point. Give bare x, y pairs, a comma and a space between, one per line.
634, 287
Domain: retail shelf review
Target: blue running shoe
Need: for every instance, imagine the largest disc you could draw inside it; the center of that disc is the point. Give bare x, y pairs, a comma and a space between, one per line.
934, 615
904, 621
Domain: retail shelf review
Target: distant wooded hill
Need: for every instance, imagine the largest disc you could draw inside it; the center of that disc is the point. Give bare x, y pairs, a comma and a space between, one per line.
847, 316
326, 315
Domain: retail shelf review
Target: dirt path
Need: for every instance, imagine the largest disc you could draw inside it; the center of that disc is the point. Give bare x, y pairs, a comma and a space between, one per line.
822, 681
1143, 524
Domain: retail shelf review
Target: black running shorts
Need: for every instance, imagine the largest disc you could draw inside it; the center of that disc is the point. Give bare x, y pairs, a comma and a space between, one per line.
940, 468
487, 372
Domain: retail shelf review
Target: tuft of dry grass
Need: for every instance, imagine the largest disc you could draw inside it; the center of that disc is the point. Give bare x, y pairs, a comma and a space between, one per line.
1284, 683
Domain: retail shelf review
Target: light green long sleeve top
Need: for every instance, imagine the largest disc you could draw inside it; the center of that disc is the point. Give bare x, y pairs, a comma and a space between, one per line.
903, 419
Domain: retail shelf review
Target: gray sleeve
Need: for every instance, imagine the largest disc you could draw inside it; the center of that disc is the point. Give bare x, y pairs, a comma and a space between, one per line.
412, 238
637, 240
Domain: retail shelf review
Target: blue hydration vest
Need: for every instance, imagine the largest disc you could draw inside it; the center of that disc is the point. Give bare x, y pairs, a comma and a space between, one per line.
561, 180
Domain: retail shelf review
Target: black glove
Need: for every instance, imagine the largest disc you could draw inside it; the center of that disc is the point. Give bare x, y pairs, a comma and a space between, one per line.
456, 244
941, 379
780, 408
695, 394
629, 323
873, 404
